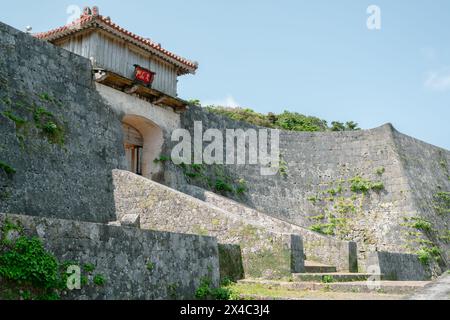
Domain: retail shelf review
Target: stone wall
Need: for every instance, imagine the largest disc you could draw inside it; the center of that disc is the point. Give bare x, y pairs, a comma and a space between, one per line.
62, 171
321, 171
122, 256
265, 253
427, 169
398, 266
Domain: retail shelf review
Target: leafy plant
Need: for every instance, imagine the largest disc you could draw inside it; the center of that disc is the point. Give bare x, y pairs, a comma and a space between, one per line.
99, 280
162, 158
7, 168
358, 184
313, 199
324, 228
377, 186
327, 279
421, 224
205, 291
150, 266
26, 263
221, 186
46, 121
283, 167
442, 203
13, 117
361, 185
241, 186
291, 121
425, 254
89, 267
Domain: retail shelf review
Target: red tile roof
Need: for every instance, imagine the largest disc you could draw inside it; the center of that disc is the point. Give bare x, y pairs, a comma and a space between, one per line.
91, 19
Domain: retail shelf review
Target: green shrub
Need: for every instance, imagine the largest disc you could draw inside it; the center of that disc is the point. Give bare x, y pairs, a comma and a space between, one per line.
294, 121
327, 279
150, 266
13, 117
89, 267
358, 184
162, 158
291, 121
205, 291
421, 224
426, 254
442, 203
361, 185
222, 187
377, 186
25, 266
326, 229
241, 186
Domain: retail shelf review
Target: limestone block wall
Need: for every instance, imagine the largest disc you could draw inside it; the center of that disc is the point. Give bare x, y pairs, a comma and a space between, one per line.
62, 171
318, 188
427, 169
264, 253
122, 255
398, 266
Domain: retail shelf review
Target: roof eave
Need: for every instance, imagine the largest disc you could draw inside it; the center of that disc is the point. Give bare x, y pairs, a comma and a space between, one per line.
98, 22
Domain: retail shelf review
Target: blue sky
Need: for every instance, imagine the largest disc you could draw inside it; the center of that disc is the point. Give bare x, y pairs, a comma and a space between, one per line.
313, 57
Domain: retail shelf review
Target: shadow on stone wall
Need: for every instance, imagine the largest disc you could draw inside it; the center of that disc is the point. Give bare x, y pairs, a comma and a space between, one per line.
230, 260
59, 141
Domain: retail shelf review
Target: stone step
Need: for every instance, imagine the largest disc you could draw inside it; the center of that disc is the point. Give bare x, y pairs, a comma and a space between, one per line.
388, 287
331, 277
316, 267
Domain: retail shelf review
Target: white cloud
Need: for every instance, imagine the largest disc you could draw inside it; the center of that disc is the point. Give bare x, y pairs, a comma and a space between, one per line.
229, 101
438, 81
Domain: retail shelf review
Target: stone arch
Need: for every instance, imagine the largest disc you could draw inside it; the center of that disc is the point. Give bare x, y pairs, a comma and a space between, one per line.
143, 134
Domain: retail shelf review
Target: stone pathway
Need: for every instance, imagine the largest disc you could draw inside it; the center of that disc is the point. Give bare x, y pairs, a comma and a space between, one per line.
437, 290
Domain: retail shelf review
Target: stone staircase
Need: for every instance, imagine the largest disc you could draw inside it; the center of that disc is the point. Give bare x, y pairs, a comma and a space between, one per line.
330, 264
317, 267
401, 288
321, 273
320, 281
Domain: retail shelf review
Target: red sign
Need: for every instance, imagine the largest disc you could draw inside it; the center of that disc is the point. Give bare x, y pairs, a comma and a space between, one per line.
143, 75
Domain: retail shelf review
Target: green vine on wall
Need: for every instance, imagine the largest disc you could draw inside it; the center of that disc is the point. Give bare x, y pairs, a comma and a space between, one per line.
7, 168
421, 232
339, 209
29, 117
212, 177
441, 202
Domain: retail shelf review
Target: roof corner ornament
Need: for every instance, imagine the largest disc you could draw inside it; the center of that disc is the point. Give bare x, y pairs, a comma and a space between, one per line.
87, 11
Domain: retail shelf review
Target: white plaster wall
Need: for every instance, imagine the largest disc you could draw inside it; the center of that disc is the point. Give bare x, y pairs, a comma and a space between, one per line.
166, 119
